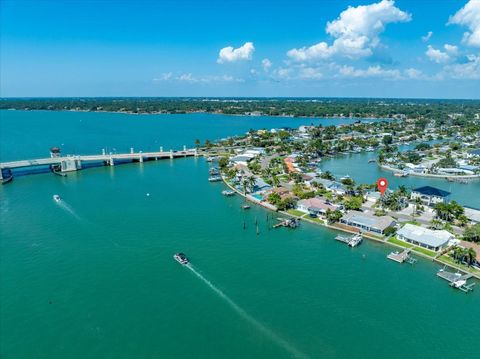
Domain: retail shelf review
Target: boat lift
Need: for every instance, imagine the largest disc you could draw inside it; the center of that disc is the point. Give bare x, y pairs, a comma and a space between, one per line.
457, 280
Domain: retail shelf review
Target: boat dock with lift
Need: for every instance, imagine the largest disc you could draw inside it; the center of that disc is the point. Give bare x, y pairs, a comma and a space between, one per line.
289, 223
351, 241
457, 280
402, 257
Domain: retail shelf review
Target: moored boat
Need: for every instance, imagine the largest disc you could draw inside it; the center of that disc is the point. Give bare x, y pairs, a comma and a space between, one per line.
215, 178
228, 193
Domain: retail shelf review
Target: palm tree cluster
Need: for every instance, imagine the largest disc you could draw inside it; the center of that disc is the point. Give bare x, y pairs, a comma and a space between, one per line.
450, 211
464, 255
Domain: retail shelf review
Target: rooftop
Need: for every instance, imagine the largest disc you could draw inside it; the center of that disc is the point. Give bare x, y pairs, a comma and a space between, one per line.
424, 235
431, 191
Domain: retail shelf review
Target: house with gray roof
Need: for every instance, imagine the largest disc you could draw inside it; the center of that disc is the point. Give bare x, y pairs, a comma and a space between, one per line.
367, 222
424, 237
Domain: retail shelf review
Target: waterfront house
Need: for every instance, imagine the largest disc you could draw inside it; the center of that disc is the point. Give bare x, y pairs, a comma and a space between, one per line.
315, 205
427, 238
260, 185
367, 222
430, 196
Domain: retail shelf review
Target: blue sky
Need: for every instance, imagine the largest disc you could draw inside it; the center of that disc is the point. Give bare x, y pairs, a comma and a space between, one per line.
240, 48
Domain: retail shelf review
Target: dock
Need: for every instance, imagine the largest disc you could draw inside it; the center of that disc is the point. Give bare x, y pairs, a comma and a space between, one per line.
457, 280
290, 223
351, 241
402, 257
62, 164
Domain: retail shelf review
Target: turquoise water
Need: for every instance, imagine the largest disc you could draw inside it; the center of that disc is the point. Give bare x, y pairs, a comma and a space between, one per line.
94, 277
357, 166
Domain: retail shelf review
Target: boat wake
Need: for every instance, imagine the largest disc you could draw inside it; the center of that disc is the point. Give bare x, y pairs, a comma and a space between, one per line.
62, 204
259, 326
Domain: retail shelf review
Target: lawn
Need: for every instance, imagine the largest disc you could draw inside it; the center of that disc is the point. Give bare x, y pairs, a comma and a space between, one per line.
398, 242
425, 251
295, 212
449, 260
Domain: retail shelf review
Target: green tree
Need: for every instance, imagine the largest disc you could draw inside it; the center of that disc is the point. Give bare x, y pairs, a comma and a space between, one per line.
333, 216
472, 233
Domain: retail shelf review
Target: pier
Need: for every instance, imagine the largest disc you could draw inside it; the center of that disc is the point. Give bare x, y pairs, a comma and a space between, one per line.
70, 163
457, 280
351, 241
402, 257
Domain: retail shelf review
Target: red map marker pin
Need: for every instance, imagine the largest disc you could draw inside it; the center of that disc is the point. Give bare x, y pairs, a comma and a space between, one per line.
382, 185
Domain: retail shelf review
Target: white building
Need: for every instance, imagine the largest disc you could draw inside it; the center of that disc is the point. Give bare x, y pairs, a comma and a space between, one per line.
424, 237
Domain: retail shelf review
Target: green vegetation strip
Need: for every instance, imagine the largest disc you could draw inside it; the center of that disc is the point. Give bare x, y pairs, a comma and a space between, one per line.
398, 242
295, 212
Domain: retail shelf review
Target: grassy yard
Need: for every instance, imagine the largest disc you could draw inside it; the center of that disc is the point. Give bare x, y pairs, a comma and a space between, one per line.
398, 242
425, 251
449, 260
318, 220
295, 212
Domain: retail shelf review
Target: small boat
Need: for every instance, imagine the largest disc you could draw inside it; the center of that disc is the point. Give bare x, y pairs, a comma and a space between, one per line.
372, 160
355, 240
7, 176
459, 283
56, 198
370, 149
212, 159
246, 206
400, 174
214, 178
228, 193
214, 171
345, 178
181, 258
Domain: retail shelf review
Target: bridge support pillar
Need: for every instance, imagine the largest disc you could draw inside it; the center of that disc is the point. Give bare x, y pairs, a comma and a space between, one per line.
171, 154
161, 148
1, 174
131, 150
70, 165
111, 162
140, 159
196, 152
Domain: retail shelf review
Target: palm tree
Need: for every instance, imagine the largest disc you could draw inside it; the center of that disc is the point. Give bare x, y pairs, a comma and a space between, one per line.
471, 255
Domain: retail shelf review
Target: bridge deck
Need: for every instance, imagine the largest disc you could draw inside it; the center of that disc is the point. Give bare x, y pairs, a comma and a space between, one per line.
84, 158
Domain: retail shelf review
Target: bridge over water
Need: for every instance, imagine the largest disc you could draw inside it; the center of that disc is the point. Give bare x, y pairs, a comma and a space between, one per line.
63, 164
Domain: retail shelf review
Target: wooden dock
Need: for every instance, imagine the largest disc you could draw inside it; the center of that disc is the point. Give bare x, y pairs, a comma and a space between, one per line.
402, 257
457, 280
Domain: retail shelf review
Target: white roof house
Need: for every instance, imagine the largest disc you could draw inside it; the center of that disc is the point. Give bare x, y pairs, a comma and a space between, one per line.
424, 237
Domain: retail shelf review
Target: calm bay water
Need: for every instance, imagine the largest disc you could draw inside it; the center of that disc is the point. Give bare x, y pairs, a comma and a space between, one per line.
94, 277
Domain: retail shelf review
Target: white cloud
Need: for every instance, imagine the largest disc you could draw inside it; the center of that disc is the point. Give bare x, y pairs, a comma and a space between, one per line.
266, 64
310, 73
372, 71
356, 32
469, 16
441, 57
188, 77
427, 36
414, 74
229, 54
469, 70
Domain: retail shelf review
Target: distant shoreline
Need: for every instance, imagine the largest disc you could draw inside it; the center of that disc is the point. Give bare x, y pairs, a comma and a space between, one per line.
206, 112
428, 175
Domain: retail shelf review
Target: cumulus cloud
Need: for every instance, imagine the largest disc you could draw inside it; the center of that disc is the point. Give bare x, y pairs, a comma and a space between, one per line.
229, 54
188, 77
266, 64
427, 36
414, 74
356, 32
441, 57
372, 71
469, 16
469, 70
